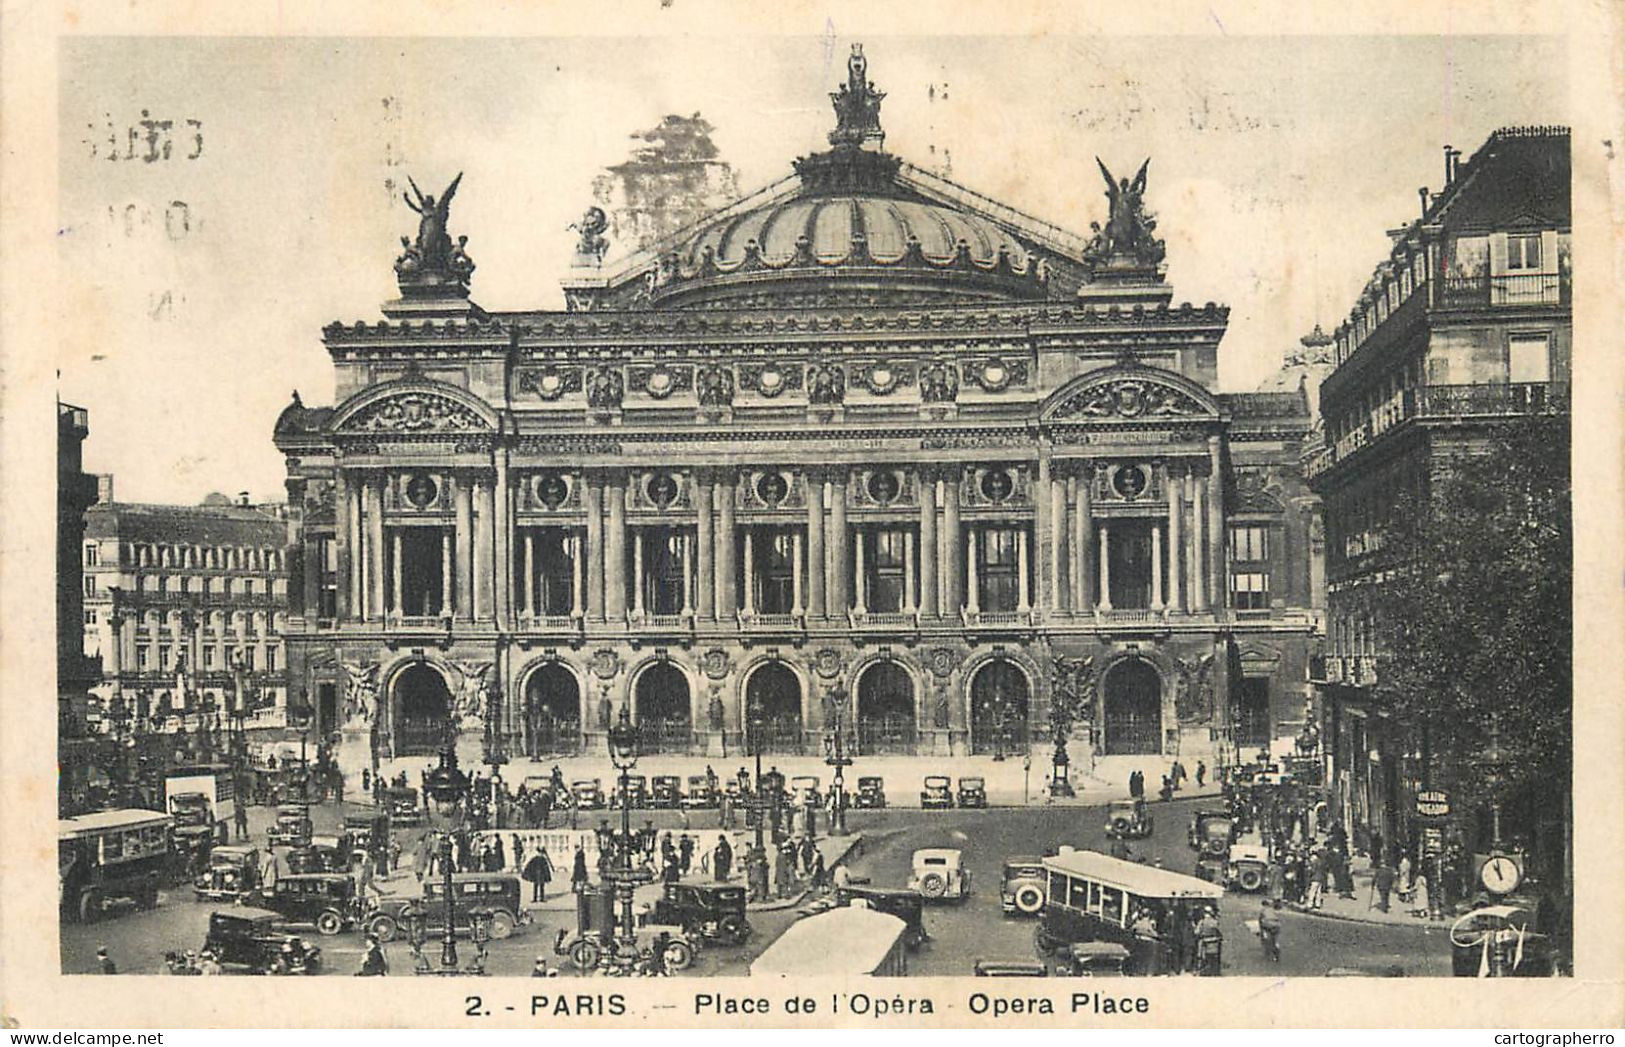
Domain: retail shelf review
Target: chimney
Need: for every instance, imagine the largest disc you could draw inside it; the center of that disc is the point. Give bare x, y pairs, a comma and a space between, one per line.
1423, 193
104, 488
242, 499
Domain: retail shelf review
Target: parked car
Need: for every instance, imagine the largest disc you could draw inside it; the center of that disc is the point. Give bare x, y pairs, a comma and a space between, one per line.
1021, 887
1128, 819
588, 793
232, 873
637, 787
1093, 960
938, 792
939, 873
972, 792
906, 905
247, 937
329, 902
871, 792
804, 789
292, 827
701, 793
496, 895
666, 791
403, 806
710, 912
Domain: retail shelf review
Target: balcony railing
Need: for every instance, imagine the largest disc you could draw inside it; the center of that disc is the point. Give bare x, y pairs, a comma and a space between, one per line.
1503, 398
1462, 292
1354, 670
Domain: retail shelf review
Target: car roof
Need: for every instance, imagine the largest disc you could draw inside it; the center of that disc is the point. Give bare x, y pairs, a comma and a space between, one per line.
1144, 880
330, 876
970, 778
938, 852
234, 850
1100, 949
938, 778
247, 912
1024, 859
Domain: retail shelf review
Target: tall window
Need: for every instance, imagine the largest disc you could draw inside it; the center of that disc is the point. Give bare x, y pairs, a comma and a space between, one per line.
327, 586
663, 570
270, 659
421, 570
143, 657
555, 571
1250, 590
90, 585
1249, 544
90, 554
1523, 253
775, 571
1528, 358
164, 660
208, 657
998, 562
886, 571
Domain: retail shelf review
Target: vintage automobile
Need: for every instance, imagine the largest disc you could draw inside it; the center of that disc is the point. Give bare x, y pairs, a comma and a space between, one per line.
402, 804
594, 944
701, 793
1021, 889
1249, 866
871, 792
324, 854
369, 831
247, 937
938, 792
498, 896
107, 859
972, 792
665, 792
195, 833
292, 827
1211, 832
1091, 897
906, 905
939, 873
329, 902
1128, 819
1002, 968
710, 912
804, 790
637, 787
232, 873
588, 793
1094, 960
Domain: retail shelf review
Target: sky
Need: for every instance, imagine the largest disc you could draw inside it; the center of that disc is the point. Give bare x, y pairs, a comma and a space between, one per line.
196, 284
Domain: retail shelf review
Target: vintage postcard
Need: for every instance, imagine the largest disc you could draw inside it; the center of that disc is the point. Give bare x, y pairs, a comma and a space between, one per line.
783, 519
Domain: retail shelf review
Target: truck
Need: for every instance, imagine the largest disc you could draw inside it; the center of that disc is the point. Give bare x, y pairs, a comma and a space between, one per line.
202, 798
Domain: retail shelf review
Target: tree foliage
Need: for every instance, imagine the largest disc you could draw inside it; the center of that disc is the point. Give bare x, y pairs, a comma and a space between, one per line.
1475, 613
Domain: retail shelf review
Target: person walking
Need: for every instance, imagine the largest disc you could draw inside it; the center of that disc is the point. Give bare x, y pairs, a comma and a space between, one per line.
722, 858
239, 816
501, 853
1201, 773
518, 850
1269, 930
725, 812
578, 871
685, 853
538, 873
1383, 885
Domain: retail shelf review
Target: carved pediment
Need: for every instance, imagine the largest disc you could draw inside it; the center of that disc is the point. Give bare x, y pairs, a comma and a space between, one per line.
1131, 395
415, 413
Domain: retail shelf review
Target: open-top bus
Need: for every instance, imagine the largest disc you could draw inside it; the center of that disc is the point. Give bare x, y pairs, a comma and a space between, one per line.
1093, 897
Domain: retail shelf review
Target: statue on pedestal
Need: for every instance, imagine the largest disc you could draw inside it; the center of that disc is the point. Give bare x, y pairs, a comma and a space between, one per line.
1129, 237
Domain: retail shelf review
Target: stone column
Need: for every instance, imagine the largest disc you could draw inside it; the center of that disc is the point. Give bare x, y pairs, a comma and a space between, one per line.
395, 602
1060, 581
749, 595
595, 546
311, 567
530, 572
838, 595
445, 573
375, 549
1215, 512
485, 541
502, 540
344, 514
465, 548
1156, 567
577, 583
615, 491
1176, 510
1042, 522
973, 588
1024, 599
704, 572
727, 593
1198, 545
816, 571
860, 580
908, 572
688, 575
1105, 593
953, 541
637, 572
1083, 528
930, 582
796, 604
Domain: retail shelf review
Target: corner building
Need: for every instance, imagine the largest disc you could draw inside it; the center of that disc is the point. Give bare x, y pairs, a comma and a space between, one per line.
864, 445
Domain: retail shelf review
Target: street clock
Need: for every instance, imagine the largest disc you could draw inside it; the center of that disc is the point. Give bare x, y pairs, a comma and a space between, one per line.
1501, 874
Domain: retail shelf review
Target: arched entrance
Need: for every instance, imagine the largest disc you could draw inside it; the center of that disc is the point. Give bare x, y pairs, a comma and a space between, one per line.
552, 711
885, 710
661, 709
1133, 708
778, 692
422, 711
998, 709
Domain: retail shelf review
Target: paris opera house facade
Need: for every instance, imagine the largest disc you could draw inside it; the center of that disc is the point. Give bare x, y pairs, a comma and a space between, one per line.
864, 447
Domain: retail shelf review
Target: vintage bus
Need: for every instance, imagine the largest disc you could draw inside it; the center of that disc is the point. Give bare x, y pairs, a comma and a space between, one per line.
110, 855
1093, 897
848, 941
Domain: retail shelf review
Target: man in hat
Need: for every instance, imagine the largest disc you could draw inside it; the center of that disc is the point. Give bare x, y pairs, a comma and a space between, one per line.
542, 970
374, 964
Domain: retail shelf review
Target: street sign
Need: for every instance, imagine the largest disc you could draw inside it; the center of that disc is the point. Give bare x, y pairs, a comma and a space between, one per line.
1433, 803
1432, 842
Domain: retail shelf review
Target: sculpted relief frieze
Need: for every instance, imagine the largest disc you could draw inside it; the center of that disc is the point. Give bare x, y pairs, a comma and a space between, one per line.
1130, 398
417, 413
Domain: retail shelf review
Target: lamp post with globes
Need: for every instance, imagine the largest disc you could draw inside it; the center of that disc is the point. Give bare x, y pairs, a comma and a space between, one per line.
838, 759
623, 752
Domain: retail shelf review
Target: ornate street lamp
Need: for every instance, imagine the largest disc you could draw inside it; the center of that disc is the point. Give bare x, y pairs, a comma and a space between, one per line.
835, 755
301, 719
756, 723
417, 926
623, 753
1494, 761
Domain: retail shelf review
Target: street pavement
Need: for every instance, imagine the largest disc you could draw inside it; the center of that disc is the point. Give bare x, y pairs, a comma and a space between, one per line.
960, 932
